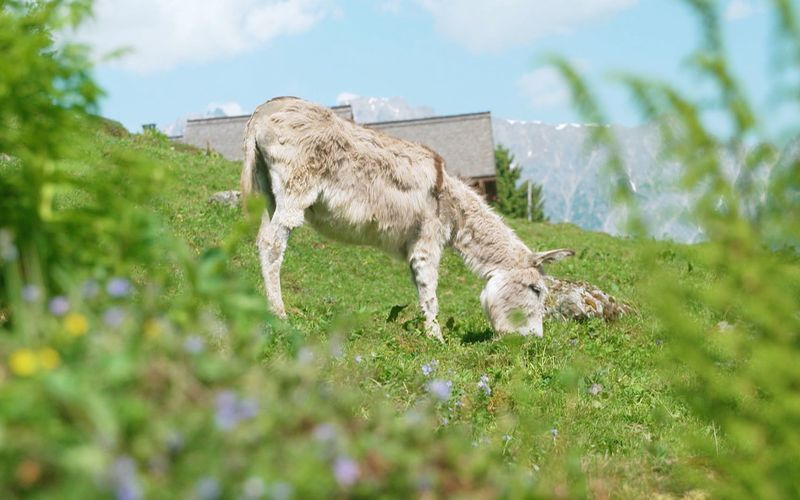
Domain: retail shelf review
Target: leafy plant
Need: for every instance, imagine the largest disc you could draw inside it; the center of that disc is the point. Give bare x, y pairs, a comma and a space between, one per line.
736, 365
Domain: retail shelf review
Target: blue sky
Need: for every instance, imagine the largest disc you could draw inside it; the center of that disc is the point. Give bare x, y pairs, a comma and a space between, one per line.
455, 56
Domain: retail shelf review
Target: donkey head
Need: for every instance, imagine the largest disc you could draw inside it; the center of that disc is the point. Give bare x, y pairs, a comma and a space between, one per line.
513, 299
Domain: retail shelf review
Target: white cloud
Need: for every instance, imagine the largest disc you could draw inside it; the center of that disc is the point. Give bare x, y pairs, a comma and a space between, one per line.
740, 9
482, 25
213, 110
164, 34
543, 88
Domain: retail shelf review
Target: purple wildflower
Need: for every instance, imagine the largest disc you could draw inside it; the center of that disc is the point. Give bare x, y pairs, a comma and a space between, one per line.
231, 410
595, 389
31, 293
429, 368
345, 470
118, 287
207, 488
124, 479
194, 344
484, 384
114, 316
440, 389
58, 305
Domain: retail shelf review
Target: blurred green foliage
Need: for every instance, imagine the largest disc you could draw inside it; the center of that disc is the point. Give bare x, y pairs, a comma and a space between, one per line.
137, 359
737, 367
134, 365
512, 197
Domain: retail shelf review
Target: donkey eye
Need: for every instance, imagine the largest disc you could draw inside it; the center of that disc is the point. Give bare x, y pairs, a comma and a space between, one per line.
535, 289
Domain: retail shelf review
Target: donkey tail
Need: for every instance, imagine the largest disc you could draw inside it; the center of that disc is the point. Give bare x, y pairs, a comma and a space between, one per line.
255, 172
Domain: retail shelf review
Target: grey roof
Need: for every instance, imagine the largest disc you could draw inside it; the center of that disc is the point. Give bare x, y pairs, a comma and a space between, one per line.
464, 141
225, 134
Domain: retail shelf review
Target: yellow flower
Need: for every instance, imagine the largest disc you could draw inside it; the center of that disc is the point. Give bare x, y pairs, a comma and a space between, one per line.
76, 324
49, 358
23, 362
151, 328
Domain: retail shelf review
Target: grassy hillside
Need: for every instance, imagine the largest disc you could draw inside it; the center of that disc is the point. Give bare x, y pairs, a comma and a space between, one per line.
588, 396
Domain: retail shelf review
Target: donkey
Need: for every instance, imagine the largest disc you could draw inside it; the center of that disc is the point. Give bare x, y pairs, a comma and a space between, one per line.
362, 186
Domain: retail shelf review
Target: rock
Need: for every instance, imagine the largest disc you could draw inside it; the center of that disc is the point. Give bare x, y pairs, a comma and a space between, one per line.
227, 198
578, 300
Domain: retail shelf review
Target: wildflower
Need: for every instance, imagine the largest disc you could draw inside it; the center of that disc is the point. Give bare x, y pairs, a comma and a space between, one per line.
207, 488
254, 487
554, 432
345, 470
194, 344
151, 328
30, 293
90, 288
118, 287
48, 358
507, 437
429, 368
595, 389
124, 479
440, 389
114, 316
358, 358
23, 362
76, 324
58, 305
230, 410
484, 384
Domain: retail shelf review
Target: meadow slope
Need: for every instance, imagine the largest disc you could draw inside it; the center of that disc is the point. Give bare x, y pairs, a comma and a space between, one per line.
589, 396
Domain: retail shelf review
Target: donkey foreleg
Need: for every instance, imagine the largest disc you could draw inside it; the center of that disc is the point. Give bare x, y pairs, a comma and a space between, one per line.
273, 236
424, 262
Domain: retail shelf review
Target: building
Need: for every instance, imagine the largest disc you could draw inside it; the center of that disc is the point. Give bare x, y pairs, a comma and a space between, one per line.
464, 141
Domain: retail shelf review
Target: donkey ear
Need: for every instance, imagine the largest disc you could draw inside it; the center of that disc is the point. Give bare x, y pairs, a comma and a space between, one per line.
539, 258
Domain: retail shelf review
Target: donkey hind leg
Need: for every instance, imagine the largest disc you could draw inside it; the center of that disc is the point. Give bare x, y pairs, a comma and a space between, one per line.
272, 238
424, 260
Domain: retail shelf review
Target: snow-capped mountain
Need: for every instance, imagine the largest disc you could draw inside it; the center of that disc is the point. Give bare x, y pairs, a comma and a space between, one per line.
382, 109
578, 189
213, 110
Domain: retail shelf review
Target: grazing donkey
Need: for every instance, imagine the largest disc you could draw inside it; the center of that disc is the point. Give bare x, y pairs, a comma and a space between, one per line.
361, 186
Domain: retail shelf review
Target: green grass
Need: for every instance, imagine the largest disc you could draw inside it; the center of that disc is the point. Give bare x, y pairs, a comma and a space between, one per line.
627, 438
